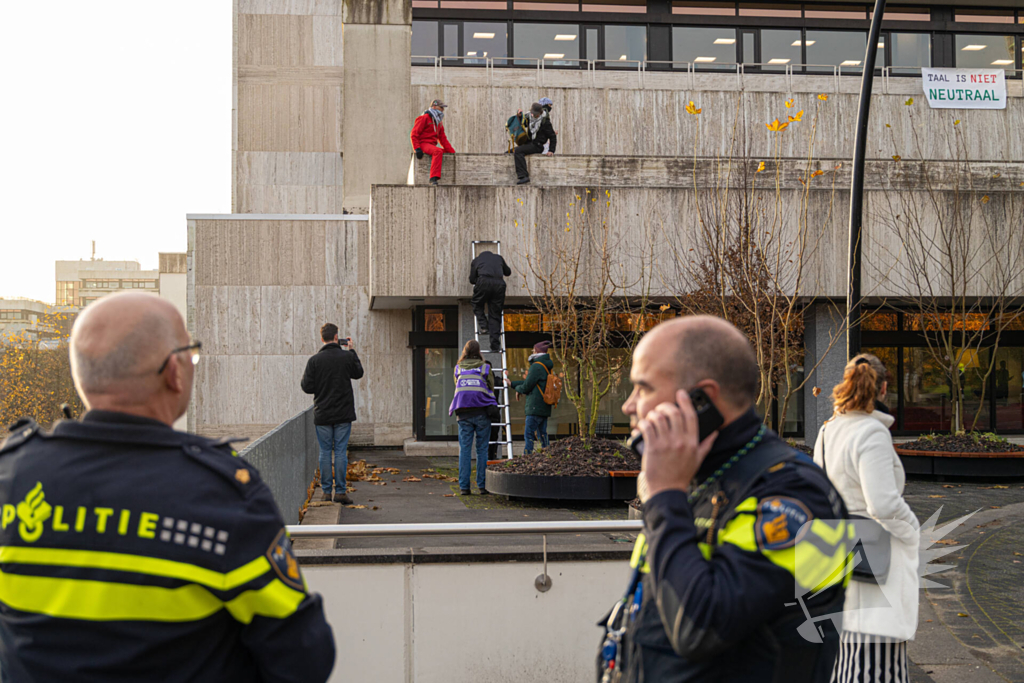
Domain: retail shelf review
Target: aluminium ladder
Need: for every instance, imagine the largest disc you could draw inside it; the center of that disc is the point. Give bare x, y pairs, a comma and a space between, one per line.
506, 415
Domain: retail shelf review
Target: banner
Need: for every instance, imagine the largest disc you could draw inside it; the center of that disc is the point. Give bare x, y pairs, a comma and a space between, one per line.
964, 88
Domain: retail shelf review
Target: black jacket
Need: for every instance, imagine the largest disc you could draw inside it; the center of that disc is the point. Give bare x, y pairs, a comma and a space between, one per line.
489, 265
328, 377
545, 133
141, 553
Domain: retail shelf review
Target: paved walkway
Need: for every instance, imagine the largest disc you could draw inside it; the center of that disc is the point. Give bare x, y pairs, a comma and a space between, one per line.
972, 631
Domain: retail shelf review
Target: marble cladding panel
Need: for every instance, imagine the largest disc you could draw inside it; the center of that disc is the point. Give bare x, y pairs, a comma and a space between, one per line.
277, 332
289, 182
309, 306
280, 392
347, 255
268, 115
311, 7
414, 249
227, 390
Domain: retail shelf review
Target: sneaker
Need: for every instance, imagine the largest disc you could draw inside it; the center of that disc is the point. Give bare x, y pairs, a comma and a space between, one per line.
326, 497
522, 181
342, 498
484, 492
495, 350
434, 181
465, 492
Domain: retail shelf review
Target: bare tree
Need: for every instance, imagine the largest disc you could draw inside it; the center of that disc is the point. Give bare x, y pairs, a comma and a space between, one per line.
956, 228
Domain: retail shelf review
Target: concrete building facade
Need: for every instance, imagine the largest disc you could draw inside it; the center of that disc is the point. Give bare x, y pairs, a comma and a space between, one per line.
325, 95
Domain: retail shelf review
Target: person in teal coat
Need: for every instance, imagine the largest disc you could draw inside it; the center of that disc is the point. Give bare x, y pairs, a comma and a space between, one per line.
537, 410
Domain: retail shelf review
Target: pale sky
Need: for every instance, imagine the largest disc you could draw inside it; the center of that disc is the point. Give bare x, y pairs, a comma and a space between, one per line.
115, 122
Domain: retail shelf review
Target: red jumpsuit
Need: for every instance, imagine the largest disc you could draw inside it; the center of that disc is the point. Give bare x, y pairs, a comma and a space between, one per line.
430, 137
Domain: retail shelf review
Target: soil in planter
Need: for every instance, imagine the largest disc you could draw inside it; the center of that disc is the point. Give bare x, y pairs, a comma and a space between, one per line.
961, 443
571, 458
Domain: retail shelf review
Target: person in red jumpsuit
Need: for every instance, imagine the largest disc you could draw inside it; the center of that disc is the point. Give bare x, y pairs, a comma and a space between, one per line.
428, 138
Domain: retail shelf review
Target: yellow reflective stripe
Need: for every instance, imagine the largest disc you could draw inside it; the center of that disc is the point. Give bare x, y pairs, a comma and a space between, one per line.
105, 601
640, 555
138, 564
827, 533
275, 600
811, 568
739, 531
748, 505
705, 550
90, 600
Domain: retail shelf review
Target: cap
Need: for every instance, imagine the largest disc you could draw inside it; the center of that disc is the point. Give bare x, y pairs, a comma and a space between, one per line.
546, 101
438, 103
541, 347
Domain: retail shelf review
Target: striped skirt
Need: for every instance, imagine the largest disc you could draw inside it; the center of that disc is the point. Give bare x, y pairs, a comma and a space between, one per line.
870, 659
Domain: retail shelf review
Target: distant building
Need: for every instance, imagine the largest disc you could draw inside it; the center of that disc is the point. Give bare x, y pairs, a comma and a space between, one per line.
26, 321
79, 283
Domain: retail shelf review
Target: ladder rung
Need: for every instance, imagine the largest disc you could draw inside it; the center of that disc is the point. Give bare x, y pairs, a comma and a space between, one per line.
498, 442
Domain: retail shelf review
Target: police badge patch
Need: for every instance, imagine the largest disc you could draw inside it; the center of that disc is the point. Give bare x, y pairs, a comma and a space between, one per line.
282, 559
780, 522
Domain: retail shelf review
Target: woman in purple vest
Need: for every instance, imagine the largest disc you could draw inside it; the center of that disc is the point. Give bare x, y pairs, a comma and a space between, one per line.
472, 405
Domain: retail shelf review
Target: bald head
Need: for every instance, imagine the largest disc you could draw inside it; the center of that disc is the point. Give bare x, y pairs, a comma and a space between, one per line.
117, 345
704, 347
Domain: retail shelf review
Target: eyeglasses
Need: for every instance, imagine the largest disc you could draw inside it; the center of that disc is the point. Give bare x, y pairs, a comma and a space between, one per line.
194, 348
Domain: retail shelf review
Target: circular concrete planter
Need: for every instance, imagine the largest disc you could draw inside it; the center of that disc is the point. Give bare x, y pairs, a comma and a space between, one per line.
635, 513
619, 486
961, 464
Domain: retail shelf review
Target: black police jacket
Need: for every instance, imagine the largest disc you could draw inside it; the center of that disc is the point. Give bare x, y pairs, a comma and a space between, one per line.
328, 376
728, 607
133, 552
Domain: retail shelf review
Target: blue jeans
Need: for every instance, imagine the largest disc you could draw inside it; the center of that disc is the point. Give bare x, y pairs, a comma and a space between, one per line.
470, 425
334, 437
535, 425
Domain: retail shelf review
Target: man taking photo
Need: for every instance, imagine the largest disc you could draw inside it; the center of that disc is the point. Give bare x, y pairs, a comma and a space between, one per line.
741, 545
328, 377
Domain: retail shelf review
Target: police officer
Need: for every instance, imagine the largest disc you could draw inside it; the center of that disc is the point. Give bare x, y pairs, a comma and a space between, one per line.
133, 552
742, 559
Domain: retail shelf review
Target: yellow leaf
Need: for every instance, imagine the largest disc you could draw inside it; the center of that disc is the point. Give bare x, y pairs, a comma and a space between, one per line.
822, 97
817, 173
888, 126
896, 157
692, 109
789, 103
909, 102
957, 122
664, 307
798, 115
985, 200
760, 167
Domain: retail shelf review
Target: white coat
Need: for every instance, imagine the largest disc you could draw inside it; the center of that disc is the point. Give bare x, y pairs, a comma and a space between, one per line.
867, 473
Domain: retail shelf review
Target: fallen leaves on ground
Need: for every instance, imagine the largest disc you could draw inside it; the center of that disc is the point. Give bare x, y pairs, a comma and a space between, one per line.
440, 477
945, 541
360, 471
450, 495
936, 496
356, 507
948, 486
412, 479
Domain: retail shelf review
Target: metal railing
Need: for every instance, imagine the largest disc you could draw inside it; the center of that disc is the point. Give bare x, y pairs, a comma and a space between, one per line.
462, 529
887, 73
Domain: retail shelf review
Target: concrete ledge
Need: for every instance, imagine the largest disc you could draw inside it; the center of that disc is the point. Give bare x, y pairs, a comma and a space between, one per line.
276, 217
430, 449
457, 555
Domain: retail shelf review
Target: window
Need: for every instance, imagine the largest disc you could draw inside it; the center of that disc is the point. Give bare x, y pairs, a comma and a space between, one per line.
984, 16
719, 9
485, 40
984, 51
424, 42
592, 42
1008, 391
779, 48
556, 44
439, 390
705, 48
844, 49
450, 35
910, 50
624, 44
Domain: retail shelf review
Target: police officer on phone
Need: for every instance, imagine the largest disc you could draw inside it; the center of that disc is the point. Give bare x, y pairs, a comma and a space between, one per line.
743, 541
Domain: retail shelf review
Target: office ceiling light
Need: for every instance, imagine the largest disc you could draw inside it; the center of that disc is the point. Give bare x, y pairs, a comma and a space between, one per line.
471, 54
973, 48
705, 59
881, 46
566, 36
778, 61
483, 36
554, 55
725, 41
798, 43
850, 62
622, 58
1002, 62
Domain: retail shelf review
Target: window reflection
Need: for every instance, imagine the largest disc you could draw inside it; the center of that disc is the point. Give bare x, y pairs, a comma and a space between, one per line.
563, 420
624, 44
984, 52
910, 50
557, 44
780, 48
705, 48
485, 40
844, 49
439, 390
1009, 388
424, 41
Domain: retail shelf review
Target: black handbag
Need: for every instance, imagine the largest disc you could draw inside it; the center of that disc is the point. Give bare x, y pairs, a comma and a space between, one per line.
873, 541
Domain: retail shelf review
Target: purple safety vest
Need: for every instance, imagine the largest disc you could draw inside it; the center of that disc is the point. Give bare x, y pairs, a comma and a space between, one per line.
471, 389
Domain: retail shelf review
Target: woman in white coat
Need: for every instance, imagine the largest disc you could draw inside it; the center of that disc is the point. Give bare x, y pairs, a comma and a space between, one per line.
855, 449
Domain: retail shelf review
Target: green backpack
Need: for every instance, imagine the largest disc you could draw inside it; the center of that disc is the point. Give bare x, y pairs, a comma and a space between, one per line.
518, 133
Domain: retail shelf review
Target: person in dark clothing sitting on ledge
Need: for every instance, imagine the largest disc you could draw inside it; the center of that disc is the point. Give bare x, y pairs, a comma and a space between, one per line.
487, 275
541, 132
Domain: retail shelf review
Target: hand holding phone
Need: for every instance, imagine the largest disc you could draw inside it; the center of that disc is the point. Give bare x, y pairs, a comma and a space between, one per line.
674, 439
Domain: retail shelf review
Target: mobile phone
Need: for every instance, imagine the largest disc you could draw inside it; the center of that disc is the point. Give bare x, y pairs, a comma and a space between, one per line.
708, 420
